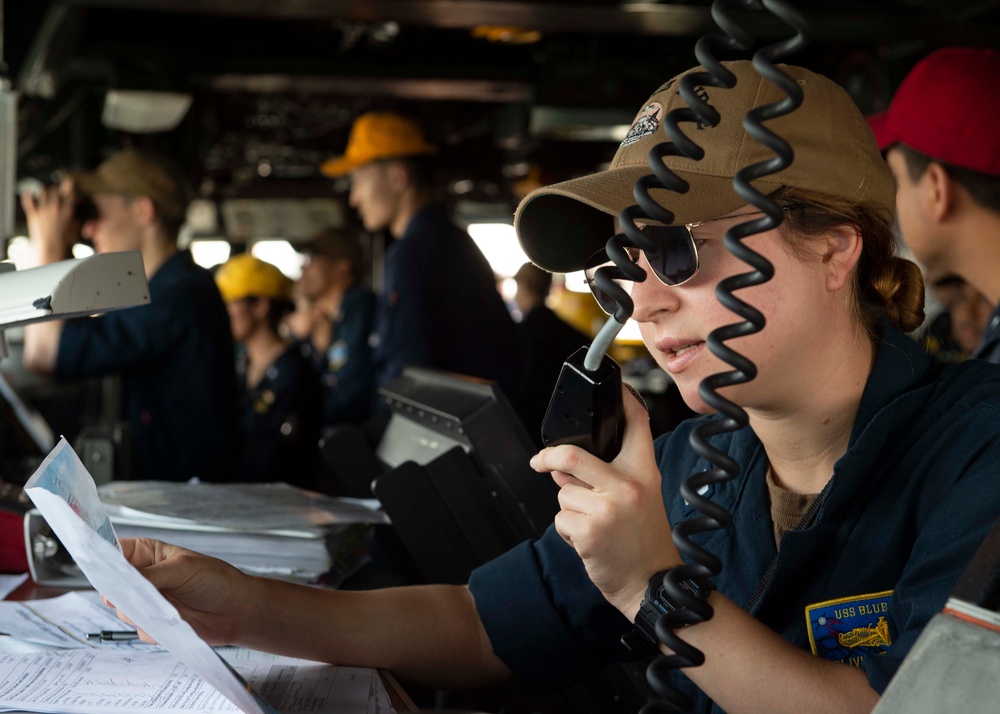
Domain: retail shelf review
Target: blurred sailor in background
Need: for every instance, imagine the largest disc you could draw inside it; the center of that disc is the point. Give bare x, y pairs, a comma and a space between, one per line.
280, 390
341, 318
176, 353
439, 306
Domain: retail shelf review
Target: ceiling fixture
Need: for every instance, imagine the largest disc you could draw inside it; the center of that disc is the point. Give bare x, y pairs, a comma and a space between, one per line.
143, 112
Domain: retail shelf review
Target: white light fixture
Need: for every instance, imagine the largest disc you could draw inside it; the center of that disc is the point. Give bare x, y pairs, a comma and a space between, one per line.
280, 254
498, 242
247, 219
576, 282
209, 253
19, 251
144, 112
80, 250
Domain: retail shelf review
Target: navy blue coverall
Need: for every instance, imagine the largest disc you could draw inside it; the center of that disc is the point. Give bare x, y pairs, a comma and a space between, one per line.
176, 355
908, 504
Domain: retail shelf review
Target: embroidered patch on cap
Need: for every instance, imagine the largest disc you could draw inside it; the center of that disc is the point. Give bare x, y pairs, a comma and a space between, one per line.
850, 628
646, 123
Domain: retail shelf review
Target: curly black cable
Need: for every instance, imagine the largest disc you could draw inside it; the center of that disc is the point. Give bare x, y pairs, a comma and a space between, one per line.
700, 563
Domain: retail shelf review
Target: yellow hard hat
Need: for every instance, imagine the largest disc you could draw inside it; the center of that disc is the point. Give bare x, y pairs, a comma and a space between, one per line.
245, 276
374, 136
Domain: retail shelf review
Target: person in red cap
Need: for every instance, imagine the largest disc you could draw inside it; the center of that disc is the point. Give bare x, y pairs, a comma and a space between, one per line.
439, 306
942, 143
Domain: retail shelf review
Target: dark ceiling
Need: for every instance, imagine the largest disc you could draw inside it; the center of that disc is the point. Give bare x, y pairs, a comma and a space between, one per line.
276, 83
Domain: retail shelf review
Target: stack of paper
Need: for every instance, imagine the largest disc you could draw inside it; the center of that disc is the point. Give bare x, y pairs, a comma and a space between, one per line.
48, 664
186, 675
268, 528
103, 681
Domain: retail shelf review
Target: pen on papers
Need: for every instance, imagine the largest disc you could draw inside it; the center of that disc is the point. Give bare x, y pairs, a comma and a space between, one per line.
114, 635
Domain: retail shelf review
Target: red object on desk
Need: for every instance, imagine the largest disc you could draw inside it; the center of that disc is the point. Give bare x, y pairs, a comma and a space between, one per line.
13, 557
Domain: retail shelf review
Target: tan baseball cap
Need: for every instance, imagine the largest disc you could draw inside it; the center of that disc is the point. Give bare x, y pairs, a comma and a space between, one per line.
140, 173
374, 136
562, 225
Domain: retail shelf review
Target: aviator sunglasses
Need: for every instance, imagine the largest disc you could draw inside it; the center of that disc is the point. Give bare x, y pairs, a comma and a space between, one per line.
674, 261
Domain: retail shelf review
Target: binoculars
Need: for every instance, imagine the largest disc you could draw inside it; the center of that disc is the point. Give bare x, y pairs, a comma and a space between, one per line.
84, 209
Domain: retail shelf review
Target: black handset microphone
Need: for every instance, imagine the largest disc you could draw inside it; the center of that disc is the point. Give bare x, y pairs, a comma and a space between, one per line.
586, 408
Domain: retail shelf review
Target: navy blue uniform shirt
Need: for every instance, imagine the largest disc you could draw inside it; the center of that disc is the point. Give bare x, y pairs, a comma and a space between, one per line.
282, 422
347, 368
989, 343
908, 504
176, 356
440, 307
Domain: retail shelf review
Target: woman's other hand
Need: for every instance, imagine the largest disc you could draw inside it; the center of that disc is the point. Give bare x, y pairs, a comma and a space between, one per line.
212, 596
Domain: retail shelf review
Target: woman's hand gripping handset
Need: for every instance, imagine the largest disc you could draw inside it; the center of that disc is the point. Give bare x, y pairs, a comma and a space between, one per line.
212, 596
613, 513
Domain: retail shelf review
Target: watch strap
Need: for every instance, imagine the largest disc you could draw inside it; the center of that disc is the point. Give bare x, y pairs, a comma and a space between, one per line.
642, 637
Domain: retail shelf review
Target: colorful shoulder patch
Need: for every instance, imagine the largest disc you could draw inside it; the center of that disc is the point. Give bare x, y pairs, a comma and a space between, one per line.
850, 628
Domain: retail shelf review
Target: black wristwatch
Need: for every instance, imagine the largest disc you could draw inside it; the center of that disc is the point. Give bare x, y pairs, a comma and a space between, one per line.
642, 638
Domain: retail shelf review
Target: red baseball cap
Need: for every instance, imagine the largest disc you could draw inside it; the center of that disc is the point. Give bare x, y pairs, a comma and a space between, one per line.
947, 108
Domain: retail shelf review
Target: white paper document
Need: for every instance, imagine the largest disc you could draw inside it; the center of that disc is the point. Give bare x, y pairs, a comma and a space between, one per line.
105, 679
113, 680
64, 621
10, 583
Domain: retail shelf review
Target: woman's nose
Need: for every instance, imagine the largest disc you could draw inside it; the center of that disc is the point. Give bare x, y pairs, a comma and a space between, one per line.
651, 297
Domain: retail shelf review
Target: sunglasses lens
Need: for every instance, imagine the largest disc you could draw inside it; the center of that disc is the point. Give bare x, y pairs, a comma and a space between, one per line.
675, 259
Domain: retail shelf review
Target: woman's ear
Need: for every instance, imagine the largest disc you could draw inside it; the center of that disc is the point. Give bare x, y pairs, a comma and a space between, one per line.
841, 249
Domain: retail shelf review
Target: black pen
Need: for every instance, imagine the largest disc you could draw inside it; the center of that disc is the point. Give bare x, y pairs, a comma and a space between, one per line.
114, 635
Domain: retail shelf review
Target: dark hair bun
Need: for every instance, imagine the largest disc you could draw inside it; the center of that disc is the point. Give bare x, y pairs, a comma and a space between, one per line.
901, 286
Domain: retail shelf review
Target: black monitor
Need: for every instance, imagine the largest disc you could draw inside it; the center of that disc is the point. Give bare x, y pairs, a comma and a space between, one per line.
434, 412
450, 466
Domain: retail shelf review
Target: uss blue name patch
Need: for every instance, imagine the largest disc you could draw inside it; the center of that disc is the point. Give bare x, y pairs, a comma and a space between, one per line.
851, 628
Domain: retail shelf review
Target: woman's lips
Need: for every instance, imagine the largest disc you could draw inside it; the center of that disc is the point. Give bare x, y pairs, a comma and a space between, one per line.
680, 353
